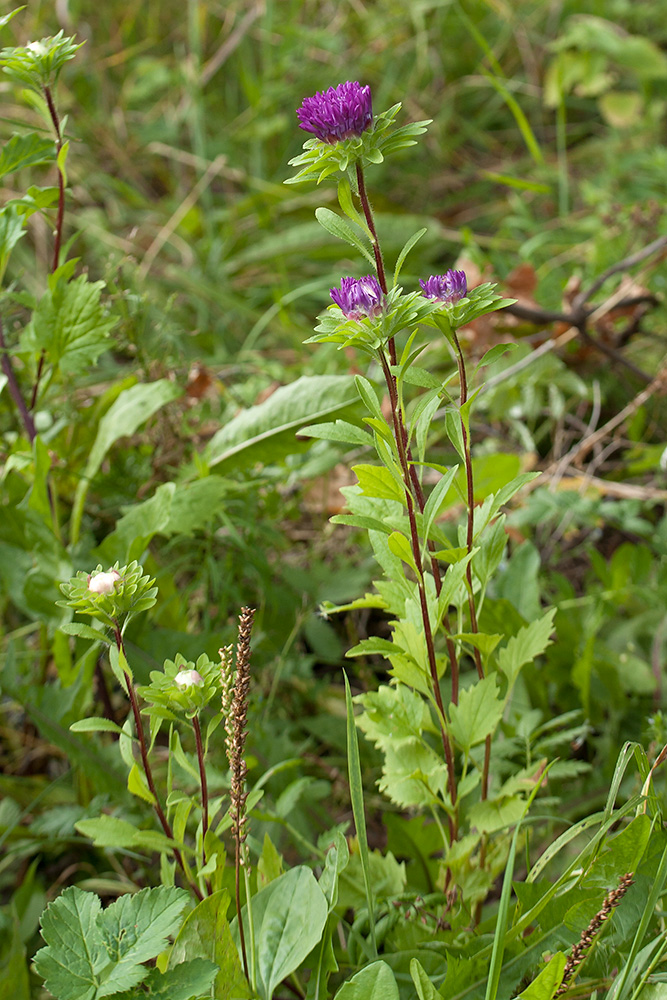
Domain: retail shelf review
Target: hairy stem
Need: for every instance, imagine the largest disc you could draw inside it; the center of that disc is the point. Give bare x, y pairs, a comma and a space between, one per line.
148, 771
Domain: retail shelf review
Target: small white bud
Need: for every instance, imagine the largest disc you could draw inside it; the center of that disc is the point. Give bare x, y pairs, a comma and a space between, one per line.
103, 583
188, 678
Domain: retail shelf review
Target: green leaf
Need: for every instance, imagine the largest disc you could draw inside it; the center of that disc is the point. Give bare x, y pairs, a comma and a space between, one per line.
400, 546
437, 500
548, 981
130, 410
95, 725
75, 955
135, 929
368, 394
477, 714
289, 917
6, 18
494, 353
184, 982
136, 784
11, 231
375, 982
339, 228
70, 323
84, 631
377, 481
265, 433
528, 643
339, 430
425, 987
25, 151
405, 251
109, 831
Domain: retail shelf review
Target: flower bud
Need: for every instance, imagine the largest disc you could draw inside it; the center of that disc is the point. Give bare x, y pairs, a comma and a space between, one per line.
103, 583
188, 678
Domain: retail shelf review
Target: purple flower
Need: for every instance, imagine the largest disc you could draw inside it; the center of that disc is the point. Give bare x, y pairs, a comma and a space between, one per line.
359, 298
449, 287
337, 113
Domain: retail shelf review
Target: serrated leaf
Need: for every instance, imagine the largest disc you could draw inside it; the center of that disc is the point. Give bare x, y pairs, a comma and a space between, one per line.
135, 929
25, 151
477, 714
95, 724
376, 481
70, 323
265, 433
528, 643
187, 981
75, 951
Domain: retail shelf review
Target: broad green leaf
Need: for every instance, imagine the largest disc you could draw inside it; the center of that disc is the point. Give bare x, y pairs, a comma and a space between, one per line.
400, 546
190, 979
528, 643
136, 784
340, 229
377, 481
135, 929
95, 725
545, 985
25, 151
369, 396
109, 831
425, 987
477, 714
266, 432
339, 430
130, 410
289, 917
375, 982
75, 954
70, 323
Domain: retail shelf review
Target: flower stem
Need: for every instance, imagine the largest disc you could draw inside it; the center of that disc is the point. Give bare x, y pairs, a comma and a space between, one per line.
14, 390
147, 766
204, 794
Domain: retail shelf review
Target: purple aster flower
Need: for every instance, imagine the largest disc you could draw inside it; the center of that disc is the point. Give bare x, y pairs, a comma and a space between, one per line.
337, 113
359, 298
449, 287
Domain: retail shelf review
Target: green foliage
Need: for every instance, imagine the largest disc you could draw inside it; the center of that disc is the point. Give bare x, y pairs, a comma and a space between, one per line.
91, 953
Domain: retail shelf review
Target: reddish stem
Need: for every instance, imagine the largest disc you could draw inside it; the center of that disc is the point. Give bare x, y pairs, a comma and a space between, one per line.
146, 764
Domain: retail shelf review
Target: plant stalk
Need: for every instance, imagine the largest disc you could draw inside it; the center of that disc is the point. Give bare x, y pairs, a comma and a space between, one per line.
204, 794
148, 771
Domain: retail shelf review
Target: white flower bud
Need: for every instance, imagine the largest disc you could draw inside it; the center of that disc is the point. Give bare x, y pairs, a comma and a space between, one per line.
103, 583
188, 678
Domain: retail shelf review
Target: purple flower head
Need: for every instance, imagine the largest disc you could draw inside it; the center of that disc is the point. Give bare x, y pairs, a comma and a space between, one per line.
337, 113
359, 298
449, 287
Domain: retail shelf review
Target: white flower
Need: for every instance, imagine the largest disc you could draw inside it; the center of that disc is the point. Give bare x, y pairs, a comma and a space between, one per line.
103, 583
188, 678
